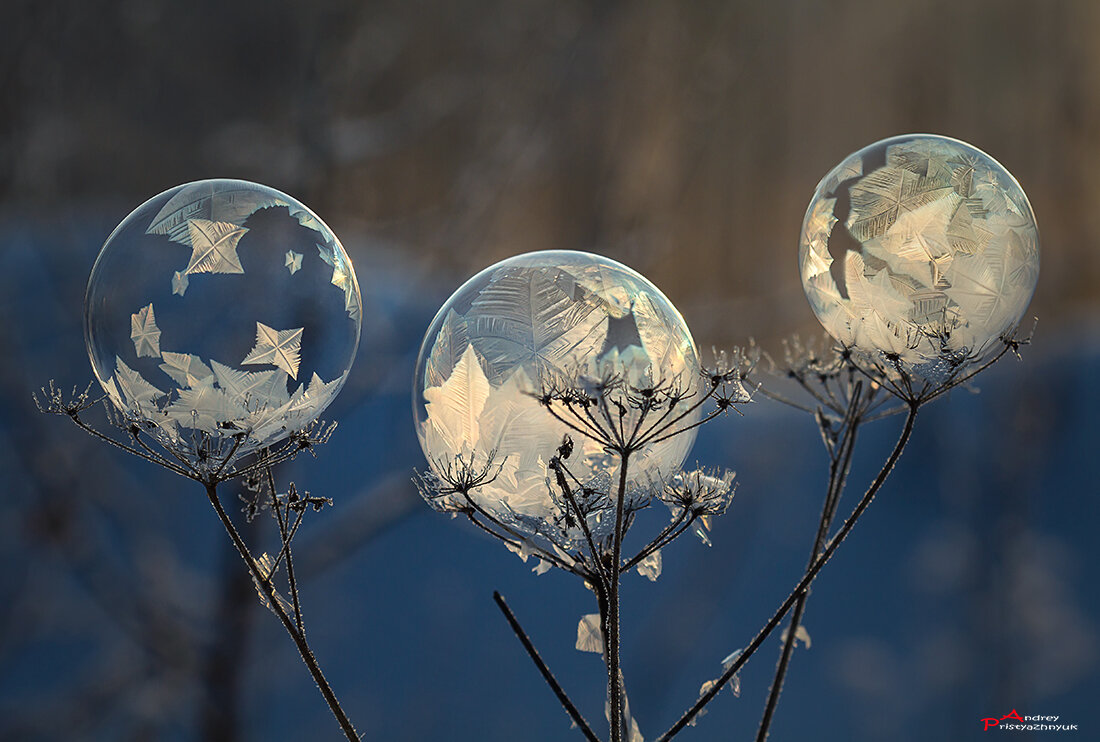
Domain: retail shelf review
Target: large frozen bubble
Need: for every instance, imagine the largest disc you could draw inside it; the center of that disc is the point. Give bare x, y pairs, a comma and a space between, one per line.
223, 316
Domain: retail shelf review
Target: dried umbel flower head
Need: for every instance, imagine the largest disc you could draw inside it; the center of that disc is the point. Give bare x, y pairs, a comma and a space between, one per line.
223, 316
537, 333
919, 253
699, 491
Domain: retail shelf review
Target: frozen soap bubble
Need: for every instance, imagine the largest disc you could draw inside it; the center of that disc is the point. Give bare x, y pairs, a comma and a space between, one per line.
918, 253
556, 317
222, 314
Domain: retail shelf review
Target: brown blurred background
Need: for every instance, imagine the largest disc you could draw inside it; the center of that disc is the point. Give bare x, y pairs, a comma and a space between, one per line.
682, 138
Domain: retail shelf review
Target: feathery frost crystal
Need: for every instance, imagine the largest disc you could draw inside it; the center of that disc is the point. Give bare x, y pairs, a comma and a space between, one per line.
541, 324
920, 251
222, 315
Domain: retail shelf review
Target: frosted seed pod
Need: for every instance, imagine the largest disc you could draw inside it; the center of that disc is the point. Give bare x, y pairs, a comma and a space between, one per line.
559, 318
918, 253
222, 313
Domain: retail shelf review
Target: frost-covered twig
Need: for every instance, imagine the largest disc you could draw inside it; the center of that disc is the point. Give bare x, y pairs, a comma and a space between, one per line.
212, 462
839, 465
563, 697
274, 601
626, 419
614, 415
800, 588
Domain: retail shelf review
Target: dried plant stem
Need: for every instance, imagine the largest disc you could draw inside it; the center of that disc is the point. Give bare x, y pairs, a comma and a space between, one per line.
285, 534
839, 466
548, 676
145, 452
582, 519
803, 584
288, 623
611, 629
670, 533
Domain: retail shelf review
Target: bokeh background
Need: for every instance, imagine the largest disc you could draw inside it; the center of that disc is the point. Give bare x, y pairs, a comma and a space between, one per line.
683, 139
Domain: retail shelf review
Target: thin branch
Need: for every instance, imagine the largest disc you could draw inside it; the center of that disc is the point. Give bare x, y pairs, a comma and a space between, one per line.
702, 421
293, 587
519, 541
951, 384
595, 432
660, 427
802, 585
184, 465
889, 412
882, 379
237, 441
611, 653
607, 438
838, 473
548, 676
272, 599
822, 400
159, 461
669, 409
601, 439
661, 539
286, 536
643, 412
841, 395
472, 516
304, 440
601, 402
784, 400
567, 491
520, 538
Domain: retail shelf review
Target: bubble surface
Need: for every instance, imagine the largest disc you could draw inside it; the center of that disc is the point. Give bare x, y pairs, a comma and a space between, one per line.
222, 314
559, 318
919, 253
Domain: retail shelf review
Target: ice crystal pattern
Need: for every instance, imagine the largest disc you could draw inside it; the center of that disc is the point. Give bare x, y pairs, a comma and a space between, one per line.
293, 262
208, 321
919, 253
282, 348
214, 247
145, 333
532, 322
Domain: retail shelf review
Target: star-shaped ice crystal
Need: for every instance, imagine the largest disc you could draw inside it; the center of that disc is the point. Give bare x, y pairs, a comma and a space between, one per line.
293, 261
214, 247
145, 333
282, 348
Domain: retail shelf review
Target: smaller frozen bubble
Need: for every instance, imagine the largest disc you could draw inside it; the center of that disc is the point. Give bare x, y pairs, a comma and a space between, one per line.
922, 251
222, 313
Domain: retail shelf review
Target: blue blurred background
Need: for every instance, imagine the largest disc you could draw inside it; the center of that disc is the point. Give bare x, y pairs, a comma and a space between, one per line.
435, 139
